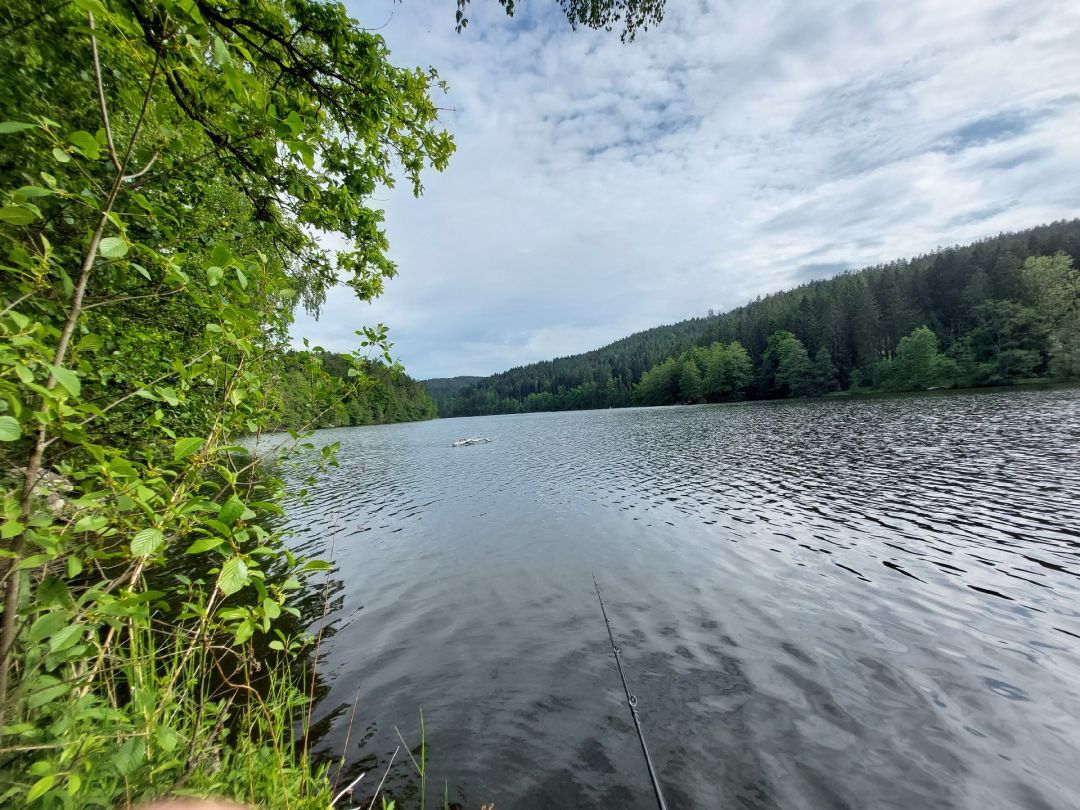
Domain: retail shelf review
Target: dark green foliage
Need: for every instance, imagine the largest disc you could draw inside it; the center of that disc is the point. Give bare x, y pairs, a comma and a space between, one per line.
324, 389
598, 379
848, 325
447, 386
715, 373
1009, 342
166, 169
918, 364
1052, 285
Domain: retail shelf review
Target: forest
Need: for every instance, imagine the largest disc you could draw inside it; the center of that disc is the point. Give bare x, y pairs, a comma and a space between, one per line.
1000, 311
321, 389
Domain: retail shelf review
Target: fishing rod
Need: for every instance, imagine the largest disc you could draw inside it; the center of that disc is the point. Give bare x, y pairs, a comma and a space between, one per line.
631, 700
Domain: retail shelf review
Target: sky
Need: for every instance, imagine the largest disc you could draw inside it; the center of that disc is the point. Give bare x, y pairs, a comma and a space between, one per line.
740, 148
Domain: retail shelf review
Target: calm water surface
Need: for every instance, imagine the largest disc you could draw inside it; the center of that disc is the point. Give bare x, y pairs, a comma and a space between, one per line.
822, 604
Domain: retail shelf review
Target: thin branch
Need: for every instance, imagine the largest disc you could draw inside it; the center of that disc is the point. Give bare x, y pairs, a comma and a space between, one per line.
345, 746
142, 116
115, 158
110, 301
15, 303
348, 789
385, 774
128, 178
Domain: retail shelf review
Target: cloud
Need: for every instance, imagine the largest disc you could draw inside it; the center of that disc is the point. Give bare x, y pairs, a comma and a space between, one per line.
600, 189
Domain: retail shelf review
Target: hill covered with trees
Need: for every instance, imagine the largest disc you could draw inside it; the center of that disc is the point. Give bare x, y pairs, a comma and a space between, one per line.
997, 311
446, 387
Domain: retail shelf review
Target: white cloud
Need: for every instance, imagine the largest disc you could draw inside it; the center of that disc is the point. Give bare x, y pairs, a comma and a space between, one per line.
602, 188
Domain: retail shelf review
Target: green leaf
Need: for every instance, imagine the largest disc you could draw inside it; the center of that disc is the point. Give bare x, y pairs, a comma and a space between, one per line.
244, 631
221, 51
307, 154
46, 695
17, 214
10, 430
66, 637
271, 608
90, 343
316, 565
41, 787
231, 510
33, 191
130, 756
221, 255
214, 274
45, 626
86, 143
168, 394
204, 544
60, 155
167, 738
113, 247
233, 576
67, 378
147, 542
33, 561
186, 446
8, 127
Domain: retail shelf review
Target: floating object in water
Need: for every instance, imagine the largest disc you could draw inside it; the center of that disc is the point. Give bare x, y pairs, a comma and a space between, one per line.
471, 441
631, 700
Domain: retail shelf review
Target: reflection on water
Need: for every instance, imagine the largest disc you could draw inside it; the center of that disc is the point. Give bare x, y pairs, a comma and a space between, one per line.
822, 604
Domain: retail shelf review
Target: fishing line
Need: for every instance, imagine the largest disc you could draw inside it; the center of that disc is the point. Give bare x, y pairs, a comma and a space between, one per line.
631, 700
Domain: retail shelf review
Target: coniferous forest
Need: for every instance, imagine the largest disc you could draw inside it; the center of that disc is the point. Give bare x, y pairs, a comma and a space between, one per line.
997, 312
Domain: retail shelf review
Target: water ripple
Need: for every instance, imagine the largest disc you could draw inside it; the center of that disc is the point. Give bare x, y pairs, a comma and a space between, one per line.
861, 603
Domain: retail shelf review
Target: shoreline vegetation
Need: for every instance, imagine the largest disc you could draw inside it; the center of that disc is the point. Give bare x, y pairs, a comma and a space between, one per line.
168, 170
996, 312
324, 389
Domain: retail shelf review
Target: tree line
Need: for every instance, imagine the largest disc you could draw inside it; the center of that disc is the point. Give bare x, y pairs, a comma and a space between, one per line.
321, 389
998, 311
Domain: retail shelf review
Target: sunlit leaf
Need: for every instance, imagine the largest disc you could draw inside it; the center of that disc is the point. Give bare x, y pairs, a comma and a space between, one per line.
204, 544
186, 446
40, 787
17, 214
10, 430
231, 510
86, 143
8, 127
68, 379
147, 541
113, 247
233, 576
45, 625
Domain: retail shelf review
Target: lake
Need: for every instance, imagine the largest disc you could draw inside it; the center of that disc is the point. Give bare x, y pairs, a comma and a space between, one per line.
864, 603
